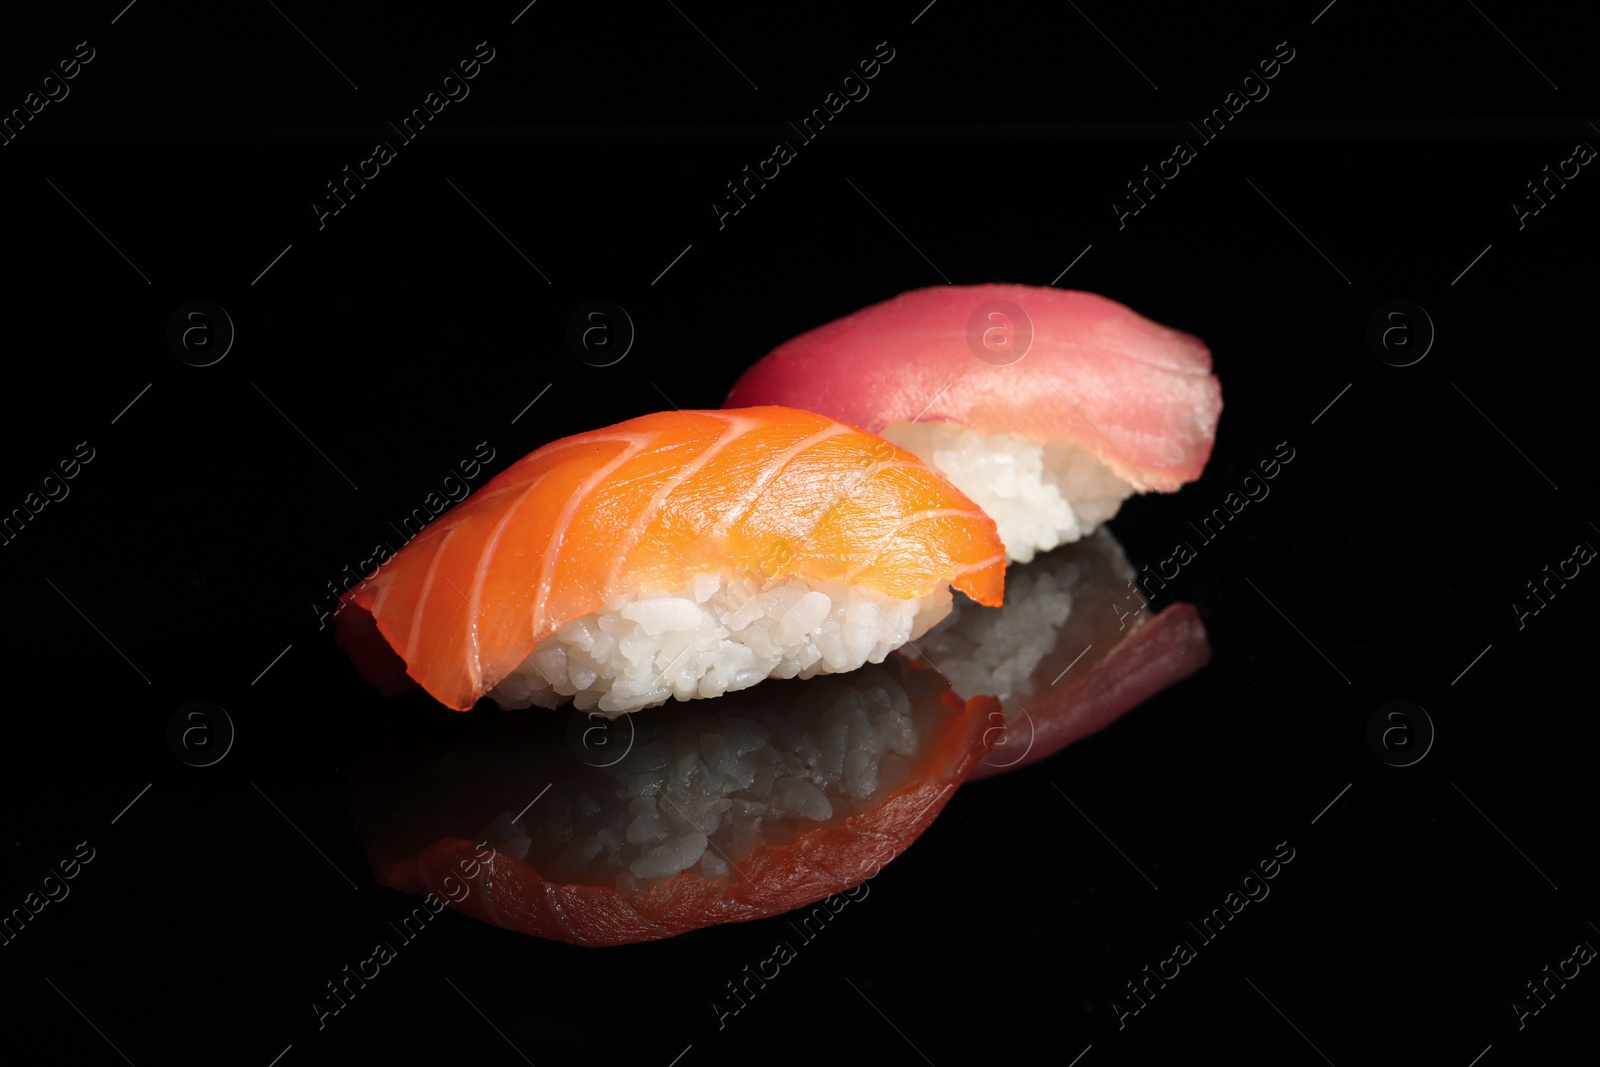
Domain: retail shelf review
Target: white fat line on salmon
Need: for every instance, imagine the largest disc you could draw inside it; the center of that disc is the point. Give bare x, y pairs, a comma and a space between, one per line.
1183, 553
903, 522
784, 153
736, 427
12, 123
409, 129
774, 468
452, 490
821, 913
12, 922
418, 612
881, 457
1210, 928
55, 490
411, 925
1582, 553
1582, 955
1184, 153
634, 444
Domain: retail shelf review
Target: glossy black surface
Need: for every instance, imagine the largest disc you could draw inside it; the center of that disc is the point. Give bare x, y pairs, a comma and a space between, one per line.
189, 557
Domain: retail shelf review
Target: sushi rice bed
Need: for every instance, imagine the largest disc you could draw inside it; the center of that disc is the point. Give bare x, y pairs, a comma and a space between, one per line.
703, 787
1041, 494
715, 636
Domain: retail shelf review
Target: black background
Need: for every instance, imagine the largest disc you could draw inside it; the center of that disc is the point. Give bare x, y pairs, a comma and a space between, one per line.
413, 325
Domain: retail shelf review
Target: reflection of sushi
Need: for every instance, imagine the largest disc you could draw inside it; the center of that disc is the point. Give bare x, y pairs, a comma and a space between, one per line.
786, 796
1074, 648
1047, 407
721, 811
682, 554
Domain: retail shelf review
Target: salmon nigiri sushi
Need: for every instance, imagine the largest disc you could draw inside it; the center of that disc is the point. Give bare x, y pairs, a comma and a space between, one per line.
1047, 407
684, 554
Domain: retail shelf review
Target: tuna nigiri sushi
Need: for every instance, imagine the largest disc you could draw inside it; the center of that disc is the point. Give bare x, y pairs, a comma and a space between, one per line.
1047, 407
677, 555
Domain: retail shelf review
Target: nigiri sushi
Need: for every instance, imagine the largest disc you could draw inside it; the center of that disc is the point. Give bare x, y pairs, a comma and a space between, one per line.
676, 555
1046, 407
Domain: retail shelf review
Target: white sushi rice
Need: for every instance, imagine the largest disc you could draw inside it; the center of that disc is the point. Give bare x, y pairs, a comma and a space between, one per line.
1040, 493
703, 788
712, 637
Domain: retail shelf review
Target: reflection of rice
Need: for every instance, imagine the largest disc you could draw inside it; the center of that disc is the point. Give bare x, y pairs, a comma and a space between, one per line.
995, 651
705, 785
984, 650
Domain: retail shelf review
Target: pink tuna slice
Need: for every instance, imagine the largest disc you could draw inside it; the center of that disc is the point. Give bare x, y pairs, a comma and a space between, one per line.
1138, 396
